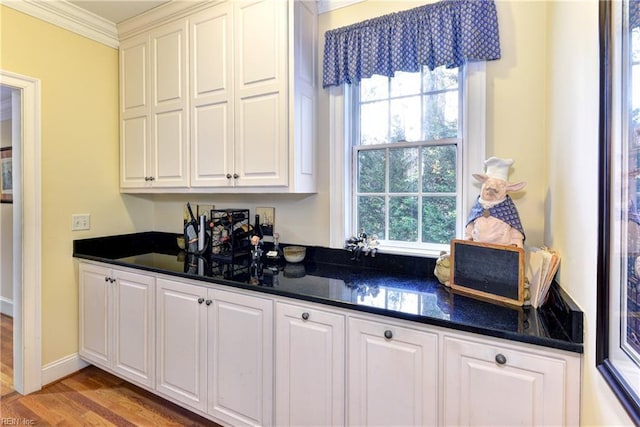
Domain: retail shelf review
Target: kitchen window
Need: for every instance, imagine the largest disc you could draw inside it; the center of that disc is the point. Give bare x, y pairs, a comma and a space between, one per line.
406, 138
403, 151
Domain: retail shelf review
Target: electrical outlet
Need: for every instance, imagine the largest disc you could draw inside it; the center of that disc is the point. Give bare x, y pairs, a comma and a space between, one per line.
80, 222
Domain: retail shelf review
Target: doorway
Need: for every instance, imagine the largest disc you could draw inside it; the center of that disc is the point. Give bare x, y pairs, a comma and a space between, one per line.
24, 105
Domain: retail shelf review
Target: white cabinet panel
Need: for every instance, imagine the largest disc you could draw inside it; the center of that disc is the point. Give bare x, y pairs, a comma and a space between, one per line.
181, 342
488, 384
170, 148
241, 353
260, 36
133, 63
393, 375
310, 366
260, 147
133, 327
211, 45
94, 314
116, 322
134, 152
154, 114
212, 157
212, 106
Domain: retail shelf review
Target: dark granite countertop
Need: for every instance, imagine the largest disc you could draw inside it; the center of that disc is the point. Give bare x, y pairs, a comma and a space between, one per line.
395, 286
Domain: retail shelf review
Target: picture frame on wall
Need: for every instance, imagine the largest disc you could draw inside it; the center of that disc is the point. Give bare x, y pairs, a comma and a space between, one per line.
6, 175
618, 310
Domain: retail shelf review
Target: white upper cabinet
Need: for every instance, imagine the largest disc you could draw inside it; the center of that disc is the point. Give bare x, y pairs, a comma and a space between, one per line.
153, 109
212, 106
220, 99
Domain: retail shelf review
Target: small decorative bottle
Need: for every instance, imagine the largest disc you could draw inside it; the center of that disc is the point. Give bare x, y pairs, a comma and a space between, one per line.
275, 256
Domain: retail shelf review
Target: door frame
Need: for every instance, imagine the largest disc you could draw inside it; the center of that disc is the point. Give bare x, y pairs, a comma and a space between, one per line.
27, 233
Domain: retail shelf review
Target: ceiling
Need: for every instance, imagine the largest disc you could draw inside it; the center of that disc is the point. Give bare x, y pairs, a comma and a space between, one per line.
117, 11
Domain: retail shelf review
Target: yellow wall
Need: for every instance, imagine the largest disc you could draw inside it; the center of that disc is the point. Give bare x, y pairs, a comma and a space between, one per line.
79, 146
572, 202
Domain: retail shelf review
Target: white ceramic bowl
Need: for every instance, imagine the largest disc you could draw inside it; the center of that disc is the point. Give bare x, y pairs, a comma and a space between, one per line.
294, 253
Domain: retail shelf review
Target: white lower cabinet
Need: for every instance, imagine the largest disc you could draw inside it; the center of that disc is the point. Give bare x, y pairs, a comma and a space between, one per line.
223, 352
181, 342
117, 321
392, 374
310, 366
491, 384
215, 352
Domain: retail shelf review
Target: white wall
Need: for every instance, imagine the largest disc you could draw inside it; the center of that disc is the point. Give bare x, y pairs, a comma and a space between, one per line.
572, 193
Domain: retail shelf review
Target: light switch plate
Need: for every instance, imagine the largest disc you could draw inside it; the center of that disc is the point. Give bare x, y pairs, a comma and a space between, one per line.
80, 222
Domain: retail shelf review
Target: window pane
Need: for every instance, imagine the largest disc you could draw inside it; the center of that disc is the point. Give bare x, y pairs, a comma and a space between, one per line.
406, 123
440, 79
371, 215
403, 170
438, 219
403, 219
441, 116
374, 88
439, 169
371, 171
405, 84
374, 123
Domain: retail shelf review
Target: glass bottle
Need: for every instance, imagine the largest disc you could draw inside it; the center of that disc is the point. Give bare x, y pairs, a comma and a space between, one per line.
257, 229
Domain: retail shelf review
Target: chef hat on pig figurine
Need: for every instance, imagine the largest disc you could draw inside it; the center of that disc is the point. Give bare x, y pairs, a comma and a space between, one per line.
494, 217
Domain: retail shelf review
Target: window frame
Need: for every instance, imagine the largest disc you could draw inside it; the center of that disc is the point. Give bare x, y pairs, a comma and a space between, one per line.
355, 135
472, 152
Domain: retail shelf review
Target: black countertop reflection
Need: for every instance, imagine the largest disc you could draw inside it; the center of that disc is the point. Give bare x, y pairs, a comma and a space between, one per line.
395, 286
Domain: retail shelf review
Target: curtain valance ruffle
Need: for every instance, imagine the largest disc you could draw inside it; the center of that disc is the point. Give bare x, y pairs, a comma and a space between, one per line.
449, 33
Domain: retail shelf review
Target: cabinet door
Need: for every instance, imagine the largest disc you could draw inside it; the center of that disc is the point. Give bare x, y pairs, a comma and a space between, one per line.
212, 106
492, 385
393, 375
169, 100
241, 356
309, 366
181, 342
133, 327
134, 113
261, 135
94, 313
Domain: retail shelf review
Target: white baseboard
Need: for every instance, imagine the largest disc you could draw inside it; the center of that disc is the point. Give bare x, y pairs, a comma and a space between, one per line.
6, 306
61, 368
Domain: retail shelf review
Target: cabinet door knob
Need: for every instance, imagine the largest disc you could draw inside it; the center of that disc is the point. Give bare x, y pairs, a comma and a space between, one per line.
501, 359
208, 302
228, 176
113, 279
305, 316
152, 178
388, 334
236, 176
106, 279
200, 300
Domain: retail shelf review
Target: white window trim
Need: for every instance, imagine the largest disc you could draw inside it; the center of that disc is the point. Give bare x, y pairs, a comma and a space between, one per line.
473, 155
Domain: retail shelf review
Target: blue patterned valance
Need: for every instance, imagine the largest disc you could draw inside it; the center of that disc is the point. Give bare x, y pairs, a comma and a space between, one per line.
449, 33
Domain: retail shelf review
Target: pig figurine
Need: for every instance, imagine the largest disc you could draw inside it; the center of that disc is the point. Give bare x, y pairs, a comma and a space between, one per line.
494, 217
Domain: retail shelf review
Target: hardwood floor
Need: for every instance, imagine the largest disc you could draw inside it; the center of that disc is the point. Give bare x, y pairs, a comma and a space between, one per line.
88, 397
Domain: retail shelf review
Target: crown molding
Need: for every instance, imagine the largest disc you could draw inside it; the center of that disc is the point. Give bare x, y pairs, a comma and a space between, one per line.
174, 9
70, 17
